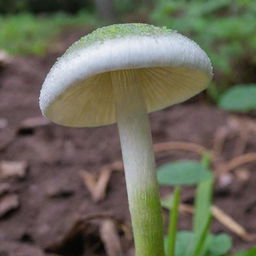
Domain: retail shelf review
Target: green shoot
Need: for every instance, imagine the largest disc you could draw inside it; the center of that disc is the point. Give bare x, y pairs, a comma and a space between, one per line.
172, 230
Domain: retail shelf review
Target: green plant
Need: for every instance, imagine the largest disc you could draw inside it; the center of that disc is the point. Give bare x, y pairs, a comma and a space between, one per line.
25, 34
46, 6
199, 241
240, 98
226, 29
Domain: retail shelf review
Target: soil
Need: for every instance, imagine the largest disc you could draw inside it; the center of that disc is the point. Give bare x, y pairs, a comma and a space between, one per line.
53, 199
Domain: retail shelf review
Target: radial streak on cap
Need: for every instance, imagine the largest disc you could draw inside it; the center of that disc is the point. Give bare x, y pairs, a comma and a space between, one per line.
78, 90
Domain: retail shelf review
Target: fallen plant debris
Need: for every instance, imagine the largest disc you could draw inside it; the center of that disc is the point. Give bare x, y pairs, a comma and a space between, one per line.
32, 123
110, 238
59, 191
8, 203
236, 162
13, 169
222, 217
239, 127
162, 136
4, 188
5, 58
96, 232
27, 126
231, 224
97, 183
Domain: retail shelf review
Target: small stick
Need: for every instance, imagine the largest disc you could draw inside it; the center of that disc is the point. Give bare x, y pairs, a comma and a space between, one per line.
110, 238
237, 161
97, 187
241, 142
224, 219
219, 140
179, 145
230, 223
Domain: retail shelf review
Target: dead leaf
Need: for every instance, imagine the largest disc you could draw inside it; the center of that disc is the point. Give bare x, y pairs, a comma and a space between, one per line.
13, 169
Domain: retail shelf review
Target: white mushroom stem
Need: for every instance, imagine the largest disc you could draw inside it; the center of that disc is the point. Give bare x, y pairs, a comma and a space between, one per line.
139, 163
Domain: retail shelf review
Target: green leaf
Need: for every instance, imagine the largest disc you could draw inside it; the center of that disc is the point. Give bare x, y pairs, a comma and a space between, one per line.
219, 245
250, 252
216, 245
182, 173
241, 98
184, 243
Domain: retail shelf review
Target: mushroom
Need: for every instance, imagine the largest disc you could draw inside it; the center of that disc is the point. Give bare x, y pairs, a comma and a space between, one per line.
120, 73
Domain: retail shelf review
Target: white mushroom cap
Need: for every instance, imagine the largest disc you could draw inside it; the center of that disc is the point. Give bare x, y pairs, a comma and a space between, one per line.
78, 92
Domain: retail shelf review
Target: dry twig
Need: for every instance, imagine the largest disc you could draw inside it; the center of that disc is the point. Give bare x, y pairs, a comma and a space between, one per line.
224, 219
179, 145
110, 238
237, 161
231, 224
96, 185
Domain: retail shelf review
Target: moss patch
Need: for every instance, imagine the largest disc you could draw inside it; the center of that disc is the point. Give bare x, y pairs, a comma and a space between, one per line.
118, 31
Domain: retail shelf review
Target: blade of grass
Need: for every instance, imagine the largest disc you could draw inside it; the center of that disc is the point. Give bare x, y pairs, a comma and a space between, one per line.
203, 201
172, 229
201, 241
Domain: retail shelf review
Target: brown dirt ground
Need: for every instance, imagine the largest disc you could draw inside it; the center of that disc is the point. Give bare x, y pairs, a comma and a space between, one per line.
55, 155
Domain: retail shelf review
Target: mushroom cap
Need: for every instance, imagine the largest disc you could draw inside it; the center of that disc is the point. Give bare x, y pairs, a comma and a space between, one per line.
77, 91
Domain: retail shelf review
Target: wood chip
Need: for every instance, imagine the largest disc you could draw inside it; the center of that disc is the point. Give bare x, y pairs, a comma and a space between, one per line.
8, 203
110, 238
13, 169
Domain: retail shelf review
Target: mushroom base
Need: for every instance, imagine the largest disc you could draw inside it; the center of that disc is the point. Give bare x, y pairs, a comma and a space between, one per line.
139, 163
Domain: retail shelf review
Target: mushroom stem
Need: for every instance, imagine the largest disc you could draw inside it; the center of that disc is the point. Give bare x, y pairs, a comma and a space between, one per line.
139, 163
